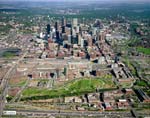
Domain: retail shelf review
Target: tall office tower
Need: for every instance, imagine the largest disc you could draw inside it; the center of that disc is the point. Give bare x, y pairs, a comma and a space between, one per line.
63, 24
48, 28
57, 35
74, 39
82, 43
69, 25
63, 21
75, 22
51, 35
94, 31
56, 25
64, 37
79, 39
89, 39
77, 29
97, 36
63, 29
80, 30
71, 33
69, 39
97, 23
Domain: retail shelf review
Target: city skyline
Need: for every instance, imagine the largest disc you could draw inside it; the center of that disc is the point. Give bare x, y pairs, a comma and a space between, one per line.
74, 58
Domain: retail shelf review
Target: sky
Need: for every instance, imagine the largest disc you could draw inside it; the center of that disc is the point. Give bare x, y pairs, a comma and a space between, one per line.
83, 0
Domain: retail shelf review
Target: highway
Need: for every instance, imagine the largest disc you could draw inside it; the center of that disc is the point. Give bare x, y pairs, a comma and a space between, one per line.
41, 113
5, 82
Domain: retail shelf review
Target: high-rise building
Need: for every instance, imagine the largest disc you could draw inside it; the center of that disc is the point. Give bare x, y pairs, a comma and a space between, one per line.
63, 21
77, 29
63, 25
68, 25
94, 31
97, 36
89, 40
56, 25
74, 39
63, 29
73, 32
75, 22
79, 39
48, 28
57, 35
82, 43
69, 39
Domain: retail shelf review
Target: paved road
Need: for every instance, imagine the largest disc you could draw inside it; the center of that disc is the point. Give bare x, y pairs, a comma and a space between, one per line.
40, 113
5, 82
18, 95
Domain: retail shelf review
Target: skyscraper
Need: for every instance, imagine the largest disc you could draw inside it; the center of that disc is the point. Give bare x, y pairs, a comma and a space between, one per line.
82, 43
48, 28
75, 22
71, 33
69, 39
57, 35
56, 25
63, 29
63, 20
57, 32
63, 24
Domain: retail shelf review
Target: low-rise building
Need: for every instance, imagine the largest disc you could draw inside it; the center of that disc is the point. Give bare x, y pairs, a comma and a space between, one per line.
122, 104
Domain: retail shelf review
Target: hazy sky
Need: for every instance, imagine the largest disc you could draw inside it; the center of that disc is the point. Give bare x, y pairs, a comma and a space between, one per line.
84, 0
88, 1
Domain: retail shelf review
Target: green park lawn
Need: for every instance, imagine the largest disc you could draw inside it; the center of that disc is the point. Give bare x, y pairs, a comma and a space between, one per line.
144, 50
141, 83
8, 55
77, 87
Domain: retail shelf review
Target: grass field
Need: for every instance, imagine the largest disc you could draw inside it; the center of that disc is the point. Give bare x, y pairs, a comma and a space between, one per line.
144, 50
8, 55
17, 81
141, 83
129, 64
76, 87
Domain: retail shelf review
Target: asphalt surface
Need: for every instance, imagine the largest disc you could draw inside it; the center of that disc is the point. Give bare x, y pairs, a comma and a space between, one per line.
41, 113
